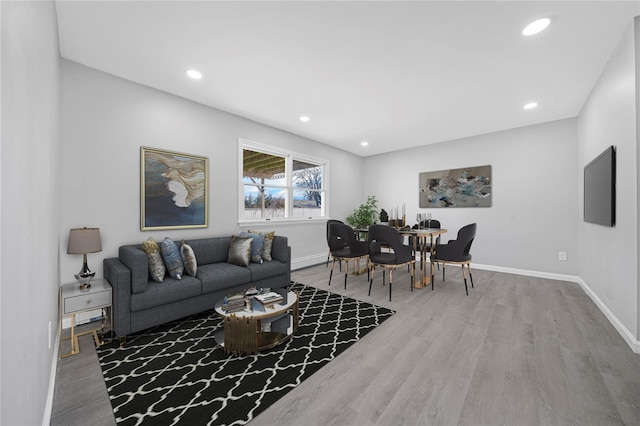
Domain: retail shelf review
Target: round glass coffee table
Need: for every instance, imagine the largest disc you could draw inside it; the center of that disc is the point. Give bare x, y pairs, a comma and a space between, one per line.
252, 330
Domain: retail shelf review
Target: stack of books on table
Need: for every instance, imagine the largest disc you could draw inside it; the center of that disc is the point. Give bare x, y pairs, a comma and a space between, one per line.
233, 303
269, 298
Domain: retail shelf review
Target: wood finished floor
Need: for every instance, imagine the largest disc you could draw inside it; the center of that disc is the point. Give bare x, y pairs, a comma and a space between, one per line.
516, 351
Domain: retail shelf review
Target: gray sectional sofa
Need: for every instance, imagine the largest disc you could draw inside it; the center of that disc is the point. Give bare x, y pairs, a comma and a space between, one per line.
140, 303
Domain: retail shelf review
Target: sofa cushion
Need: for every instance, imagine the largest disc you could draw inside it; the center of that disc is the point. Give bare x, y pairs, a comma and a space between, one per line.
172, 258
268, 243
168, 291
211, 250
240, 251
157, 270
267, 270
257, 245
189, 259
219, 276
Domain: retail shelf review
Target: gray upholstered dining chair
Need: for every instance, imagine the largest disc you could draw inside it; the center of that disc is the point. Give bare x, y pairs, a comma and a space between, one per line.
398, 255
456, 252
344, 246
329, 222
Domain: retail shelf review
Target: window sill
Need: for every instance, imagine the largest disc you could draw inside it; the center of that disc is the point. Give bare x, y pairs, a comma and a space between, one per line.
278, 222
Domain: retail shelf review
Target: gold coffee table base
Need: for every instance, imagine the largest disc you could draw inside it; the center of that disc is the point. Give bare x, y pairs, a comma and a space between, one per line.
243, 331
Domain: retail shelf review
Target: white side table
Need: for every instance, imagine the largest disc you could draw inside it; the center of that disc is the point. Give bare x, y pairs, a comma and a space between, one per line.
74, 301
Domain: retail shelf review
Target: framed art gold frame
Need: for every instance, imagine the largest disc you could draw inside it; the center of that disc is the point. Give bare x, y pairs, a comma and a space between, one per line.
174, 190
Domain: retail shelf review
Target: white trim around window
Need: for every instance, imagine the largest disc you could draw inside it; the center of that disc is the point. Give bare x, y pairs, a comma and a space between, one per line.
286, 196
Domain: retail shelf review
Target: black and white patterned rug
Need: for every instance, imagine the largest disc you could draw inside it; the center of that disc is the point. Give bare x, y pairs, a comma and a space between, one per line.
177, 374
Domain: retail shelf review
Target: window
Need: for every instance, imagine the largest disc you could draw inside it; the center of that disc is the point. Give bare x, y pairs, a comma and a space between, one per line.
280, 185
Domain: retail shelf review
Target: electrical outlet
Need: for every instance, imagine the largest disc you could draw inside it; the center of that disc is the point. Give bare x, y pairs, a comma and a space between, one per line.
562, 255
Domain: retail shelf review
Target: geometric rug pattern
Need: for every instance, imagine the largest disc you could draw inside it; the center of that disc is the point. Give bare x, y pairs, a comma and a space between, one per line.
176, 373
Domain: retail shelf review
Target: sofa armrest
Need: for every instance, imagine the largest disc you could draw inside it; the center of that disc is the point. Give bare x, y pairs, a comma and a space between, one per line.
136, 260
119, 276
280, 249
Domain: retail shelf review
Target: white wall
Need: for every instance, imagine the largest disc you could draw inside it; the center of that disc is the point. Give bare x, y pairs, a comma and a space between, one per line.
534, 210
30, 208
608, 257
106, 119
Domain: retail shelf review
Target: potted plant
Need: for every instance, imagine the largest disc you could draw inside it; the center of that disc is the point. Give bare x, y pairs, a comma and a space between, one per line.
365, 214
384, 217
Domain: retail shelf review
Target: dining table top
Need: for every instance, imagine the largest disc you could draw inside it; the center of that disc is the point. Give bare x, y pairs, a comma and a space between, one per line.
416, 231
423, 231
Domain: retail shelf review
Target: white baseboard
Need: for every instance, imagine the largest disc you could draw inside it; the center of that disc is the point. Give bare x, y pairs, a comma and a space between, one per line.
526, 272
305, 262
628, 337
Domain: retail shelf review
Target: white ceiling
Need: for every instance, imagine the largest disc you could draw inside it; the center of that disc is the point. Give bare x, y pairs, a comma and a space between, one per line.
396, 74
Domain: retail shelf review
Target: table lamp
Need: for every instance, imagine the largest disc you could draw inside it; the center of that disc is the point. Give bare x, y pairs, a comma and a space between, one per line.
82, 241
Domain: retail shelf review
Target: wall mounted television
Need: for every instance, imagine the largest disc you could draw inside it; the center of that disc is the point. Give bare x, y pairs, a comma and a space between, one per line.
600, 189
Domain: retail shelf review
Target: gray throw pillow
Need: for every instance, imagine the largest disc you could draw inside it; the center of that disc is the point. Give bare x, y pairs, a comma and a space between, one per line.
157, 269
240, 251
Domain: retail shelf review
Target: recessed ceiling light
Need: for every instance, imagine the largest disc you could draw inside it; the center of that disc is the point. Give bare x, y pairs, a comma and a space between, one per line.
304, 119
194, 74
364, 143
536, 26
531, 105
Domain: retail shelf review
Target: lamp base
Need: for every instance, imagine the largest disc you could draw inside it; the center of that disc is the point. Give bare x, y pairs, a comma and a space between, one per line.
85, 276
85, 286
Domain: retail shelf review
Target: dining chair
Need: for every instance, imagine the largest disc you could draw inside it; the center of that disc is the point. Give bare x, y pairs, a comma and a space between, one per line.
398, 255
329, 222
433, 223
344, 246
456, 252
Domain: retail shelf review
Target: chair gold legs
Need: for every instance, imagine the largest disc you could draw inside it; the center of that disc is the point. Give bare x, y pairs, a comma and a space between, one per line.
465, 278
356, 267
464, 275
412, 269
331, 273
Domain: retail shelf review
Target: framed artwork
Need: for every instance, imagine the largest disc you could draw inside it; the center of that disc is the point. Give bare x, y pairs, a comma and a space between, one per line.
468, 187
174, 190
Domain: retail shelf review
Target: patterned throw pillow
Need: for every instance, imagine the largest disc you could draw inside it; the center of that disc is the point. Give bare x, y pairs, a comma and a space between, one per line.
257, 246
189, 259
240, 251
157, 269
268, 243
172, 258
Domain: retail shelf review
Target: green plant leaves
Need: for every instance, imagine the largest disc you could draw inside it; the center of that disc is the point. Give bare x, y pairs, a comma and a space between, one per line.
365, 214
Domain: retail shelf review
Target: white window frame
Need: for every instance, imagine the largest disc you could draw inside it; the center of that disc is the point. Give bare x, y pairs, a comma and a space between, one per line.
289, 157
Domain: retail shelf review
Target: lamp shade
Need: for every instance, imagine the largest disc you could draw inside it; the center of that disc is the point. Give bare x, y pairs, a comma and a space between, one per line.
84, 240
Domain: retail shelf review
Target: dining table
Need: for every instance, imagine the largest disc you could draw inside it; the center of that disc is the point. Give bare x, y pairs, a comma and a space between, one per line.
422, 244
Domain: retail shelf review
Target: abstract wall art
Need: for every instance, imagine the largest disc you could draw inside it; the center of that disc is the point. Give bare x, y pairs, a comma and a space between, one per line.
467, 187
174, 190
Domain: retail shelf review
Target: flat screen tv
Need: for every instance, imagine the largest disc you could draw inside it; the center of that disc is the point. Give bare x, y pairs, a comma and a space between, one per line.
600, 189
